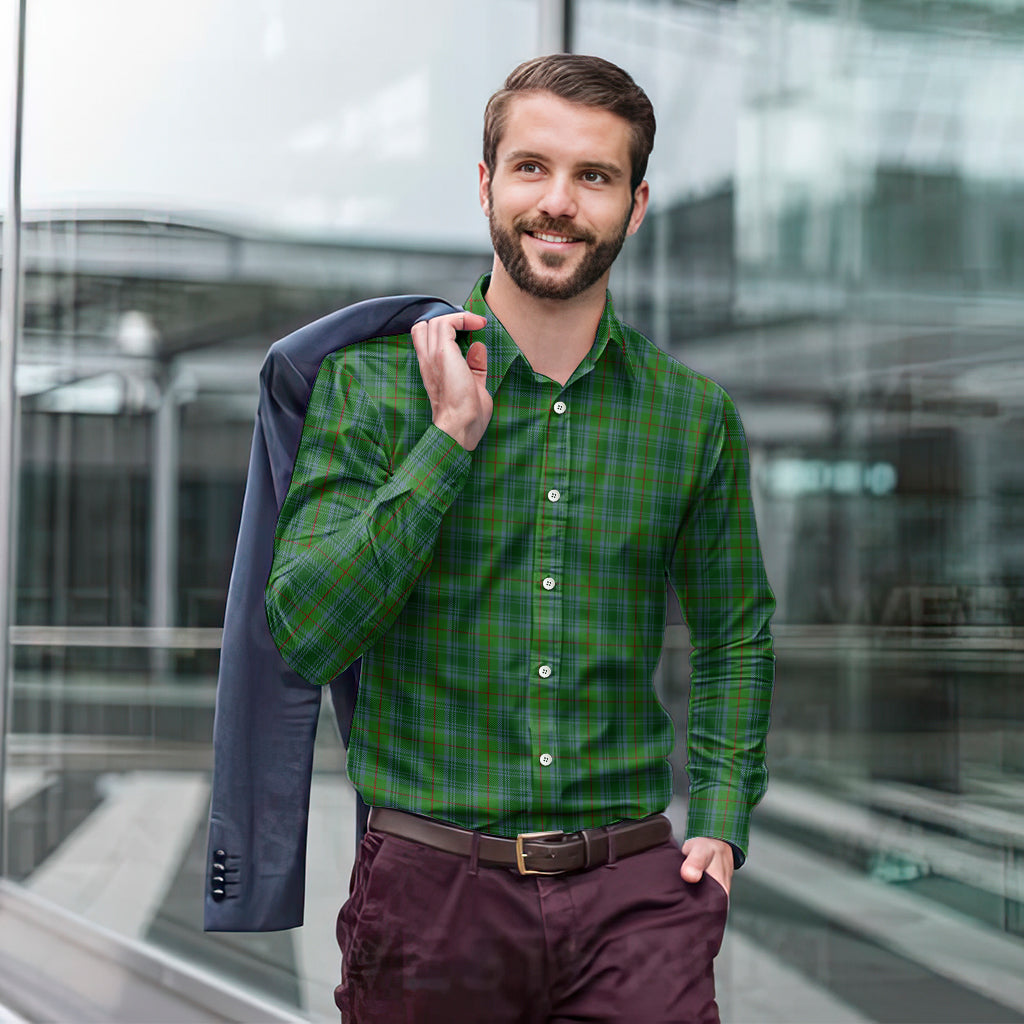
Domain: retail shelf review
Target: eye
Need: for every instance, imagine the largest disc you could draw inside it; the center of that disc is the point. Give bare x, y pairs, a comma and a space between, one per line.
594, 177
529, 167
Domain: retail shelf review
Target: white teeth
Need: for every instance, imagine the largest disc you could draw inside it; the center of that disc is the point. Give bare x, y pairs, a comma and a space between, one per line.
551, 238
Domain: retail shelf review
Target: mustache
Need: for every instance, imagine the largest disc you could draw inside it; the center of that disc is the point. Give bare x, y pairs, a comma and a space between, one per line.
547, 226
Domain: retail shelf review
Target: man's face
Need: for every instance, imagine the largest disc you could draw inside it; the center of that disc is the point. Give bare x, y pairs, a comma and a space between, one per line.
559, 203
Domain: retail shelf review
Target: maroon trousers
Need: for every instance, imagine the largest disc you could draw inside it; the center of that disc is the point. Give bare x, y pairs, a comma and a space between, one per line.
429, 937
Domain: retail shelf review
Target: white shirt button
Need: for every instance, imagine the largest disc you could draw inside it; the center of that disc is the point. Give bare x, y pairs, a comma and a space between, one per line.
546, 759
544, 671
553, 495
560, 407
548, 583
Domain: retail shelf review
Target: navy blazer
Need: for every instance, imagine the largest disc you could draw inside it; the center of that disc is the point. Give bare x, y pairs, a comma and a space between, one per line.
266, 714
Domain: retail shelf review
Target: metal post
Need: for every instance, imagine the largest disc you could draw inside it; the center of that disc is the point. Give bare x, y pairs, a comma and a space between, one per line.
554, 23
10, 310
163, 550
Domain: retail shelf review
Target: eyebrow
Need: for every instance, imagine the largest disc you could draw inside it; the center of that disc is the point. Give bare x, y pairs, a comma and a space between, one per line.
613, 171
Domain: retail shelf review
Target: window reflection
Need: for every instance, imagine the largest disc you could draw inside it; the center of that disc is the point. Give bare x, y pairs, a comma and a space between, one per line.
199, 180
853, 280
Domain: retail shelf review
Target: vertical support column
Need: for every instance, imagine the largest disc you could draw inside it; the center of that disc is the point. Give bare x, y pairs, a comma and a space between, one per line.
163, 548
663, 290
10, 318
554, 26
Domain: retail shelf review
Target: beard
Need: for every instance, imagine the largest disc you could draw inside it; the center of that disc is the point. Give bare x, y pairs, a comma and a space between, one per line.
508, 247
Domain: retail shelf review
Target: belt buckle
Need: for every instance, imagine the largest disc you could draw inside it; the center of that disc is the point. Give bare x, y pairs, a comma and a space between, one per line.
520, 856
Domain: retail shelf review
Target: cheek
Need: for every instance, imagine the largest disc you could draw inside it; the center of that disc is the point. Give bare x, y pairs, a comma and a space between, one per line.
514, 198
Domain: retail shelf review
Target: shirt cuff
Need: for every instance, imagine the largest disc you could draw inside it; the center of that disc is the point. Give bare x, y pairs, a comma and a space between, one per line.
436, 468
720, 813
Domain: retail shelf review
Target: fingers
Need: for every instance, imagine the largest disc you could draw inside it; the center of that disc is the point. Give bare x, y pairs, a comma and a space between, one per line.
471, 321
448, 324
456, 386
435, 343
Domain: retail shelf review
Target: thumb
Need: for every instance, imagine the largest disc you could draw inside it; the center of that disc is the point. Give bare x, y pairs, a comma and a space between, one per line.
477, 357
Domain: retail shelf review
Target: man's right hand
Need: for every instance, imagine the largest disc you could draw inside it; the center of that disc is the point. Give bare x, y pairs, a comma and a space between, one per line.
457, 386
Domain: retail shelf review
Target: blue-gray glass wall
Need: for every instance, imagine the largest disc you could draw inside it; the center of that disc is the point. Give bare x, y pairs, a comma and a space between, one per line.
836, 236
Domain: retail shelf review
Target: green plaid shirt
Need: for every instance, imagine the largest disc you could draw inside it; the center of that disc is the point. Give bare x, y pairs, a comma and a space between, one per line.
509, 603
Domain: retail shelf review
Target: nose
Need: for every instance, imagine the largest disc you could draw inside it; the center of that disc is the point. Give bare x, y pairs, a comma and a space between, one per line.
559, 198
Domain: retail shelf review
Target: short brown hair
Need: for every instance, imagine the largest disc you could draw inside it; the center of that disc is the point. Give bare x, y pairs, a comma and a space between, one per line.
577, 78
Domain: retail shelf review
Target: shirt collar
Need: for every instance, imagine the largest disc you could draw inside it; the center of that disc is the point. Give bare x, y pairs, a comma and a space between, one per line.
502, 349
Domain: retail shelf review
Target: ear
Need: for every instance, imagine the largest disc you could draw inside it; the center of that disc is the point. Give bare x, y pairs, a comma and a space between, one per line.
485, 181
640, 199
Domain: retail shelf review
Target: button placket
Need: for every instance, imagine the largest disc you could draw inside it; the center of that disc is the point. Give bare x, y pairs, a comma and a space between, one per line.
548, 561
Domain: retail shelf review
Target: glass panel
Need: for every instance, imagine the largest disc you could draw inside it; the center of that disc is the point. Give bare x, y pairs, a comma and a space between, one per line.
8, 26
8, 55
201, 178
836, 237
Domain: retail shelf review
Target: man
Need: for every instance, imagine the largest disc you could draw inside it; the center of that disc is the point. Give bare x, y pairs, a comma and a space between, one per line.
489, 516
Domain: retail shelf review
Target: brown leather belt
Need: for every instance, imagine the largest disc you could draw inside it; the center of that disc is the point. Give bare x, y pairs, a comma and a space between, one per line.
530, 853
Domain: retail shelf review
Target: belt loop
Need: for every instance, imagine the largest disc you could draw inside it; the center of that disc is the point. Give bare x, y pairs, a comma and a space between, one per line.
587, 849
611, 847
474, 853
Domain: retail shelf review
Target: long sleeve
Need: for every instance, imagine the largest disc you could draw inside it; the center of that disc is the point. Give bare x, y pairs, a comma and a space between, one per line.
355, 532
726, 600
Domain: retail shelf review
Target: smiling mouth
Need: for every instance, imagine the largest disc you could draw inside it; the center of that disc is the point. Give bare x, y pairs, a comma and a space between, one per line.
546, 237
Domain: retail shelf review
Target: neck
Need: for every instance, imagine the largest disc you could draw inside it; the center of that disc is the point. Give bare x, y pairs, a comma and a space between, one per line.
553, 334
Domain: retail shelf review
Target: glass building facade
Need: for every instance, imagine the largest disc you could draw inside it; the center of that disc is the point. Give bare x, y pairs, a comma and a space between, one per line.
836, 235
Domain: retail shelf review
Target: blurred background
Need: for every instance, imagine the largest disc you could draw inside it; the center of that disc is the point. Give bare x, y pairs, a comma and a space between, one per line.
836, 236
